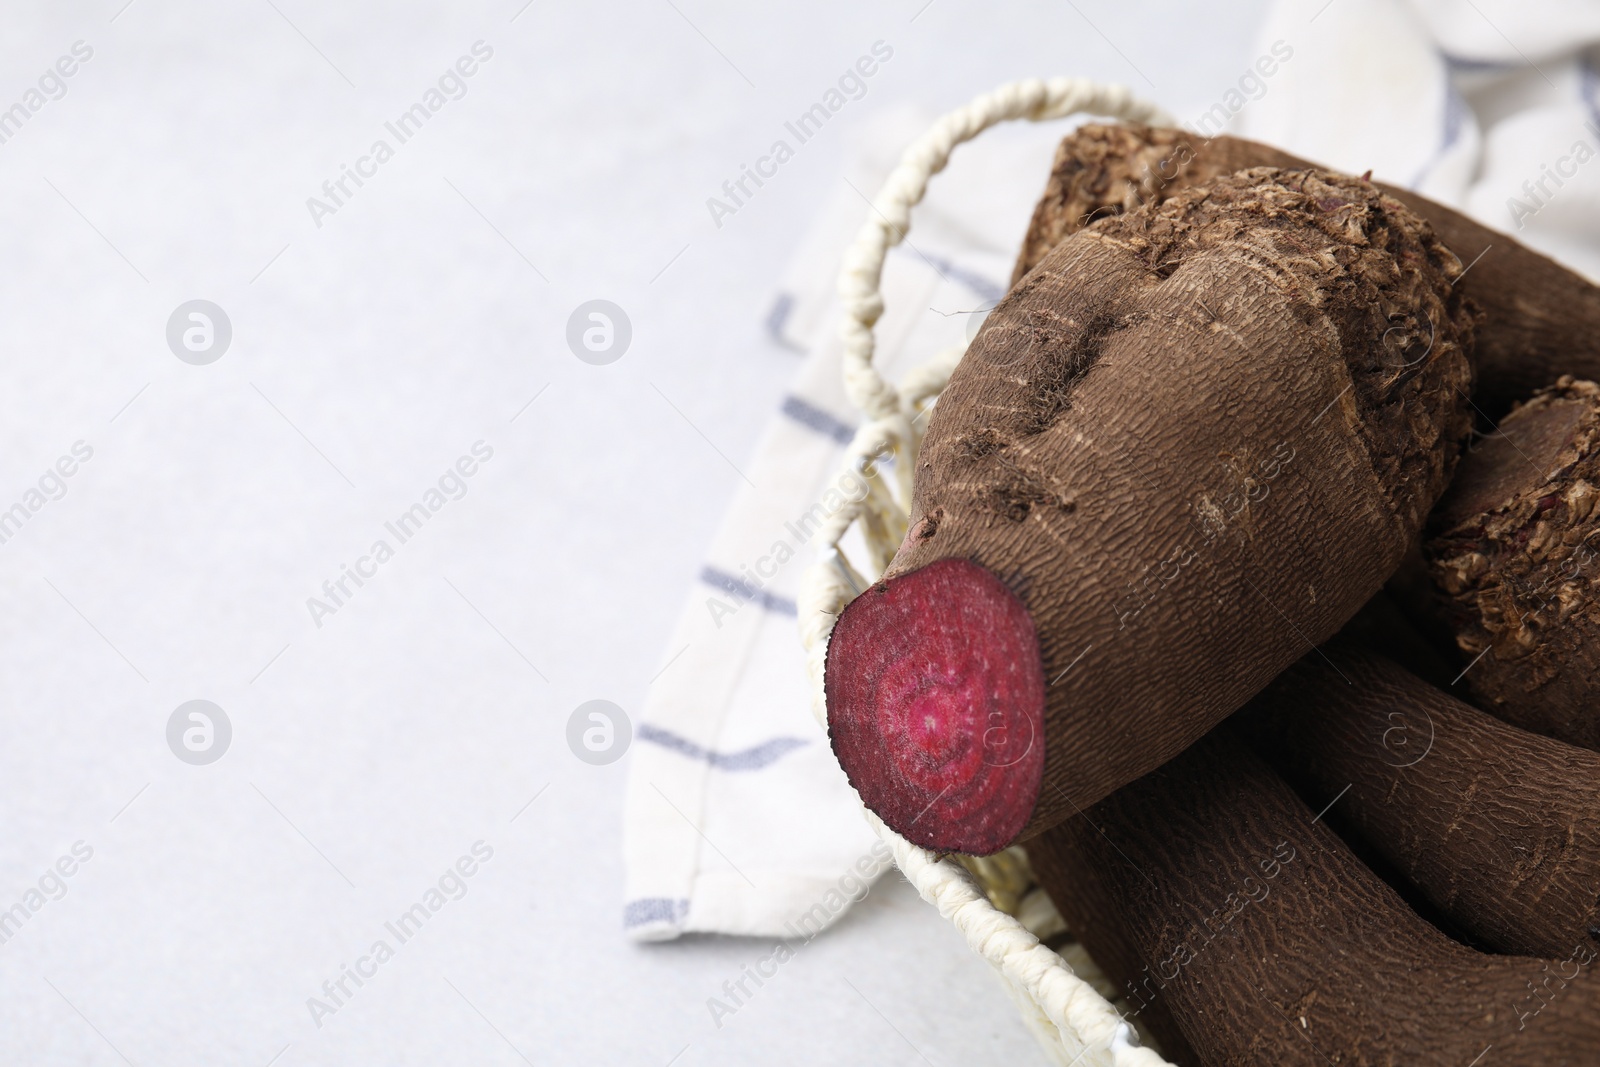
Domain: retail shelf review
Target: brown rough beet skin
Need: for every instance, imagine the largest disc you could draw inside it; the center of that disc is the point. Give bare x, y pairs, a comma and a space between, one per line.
1256, 929
1102, 171
1515, 555
1499, 828
1540, 320
1195, 438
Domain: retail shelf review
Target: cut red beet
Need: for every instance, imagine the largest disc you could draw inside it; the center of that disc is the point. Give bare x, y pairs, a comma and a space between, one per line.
935, 694
1177, 443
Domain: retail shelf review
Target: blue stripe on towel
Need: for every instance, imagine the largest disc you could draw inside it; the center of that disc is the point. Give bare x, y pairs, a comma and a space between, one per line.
1455, 115
750, 759
735, 586
1467, 64
809, 415
778, 318
990, 291
1589, 88
653, 910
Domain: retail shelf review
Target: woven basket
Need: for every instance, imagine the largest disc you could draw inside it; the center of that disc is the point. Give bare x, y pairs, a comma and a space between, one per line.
988, 900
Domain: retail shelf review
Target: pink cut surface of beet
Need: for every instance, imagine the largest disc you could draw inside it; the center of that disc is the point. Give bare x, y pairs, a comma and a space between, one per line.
935, 694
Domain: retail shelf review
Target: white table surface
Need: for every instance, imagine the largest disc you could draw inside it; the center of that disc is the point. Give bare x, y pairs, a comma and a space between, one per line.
367, 355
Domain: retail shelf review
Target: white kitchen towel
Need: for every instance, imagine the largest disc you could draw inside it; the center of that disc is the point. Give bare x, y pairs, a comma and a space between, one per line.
738, 819
1490, 106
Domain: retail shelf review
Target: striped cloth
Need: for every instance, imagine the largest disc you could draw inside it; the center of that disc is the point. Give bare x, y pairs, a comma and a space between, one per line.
738, 819
1490, 106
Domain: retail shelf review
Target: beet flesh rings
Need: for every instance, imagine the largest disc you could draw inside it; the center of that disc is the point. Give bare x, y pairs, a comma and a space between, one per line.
1188, 445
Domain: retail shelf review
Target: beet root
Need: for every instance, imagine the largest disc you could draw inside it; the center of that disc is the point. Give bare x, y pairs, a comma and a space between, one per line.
1515, 555
1499, 828
1190, 444
1263, 938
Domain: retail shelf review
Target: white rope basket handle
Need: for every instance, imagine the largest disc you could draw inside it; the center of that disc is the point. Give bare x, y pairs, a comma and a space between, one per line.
1034, 100
1075, 1024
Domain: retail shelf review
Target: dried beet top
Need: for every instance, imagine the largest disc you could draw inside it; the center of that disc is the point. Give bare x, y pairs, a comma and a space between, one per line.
1516, 558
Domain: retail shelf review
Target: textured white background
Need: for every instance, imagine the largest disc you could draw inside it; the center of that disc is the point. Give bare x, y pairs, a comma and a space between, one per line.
389, 340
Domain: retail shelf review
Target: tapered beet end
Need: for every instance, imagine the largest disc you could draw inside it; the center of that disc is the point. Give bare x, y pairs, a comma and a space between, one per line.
935, 692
